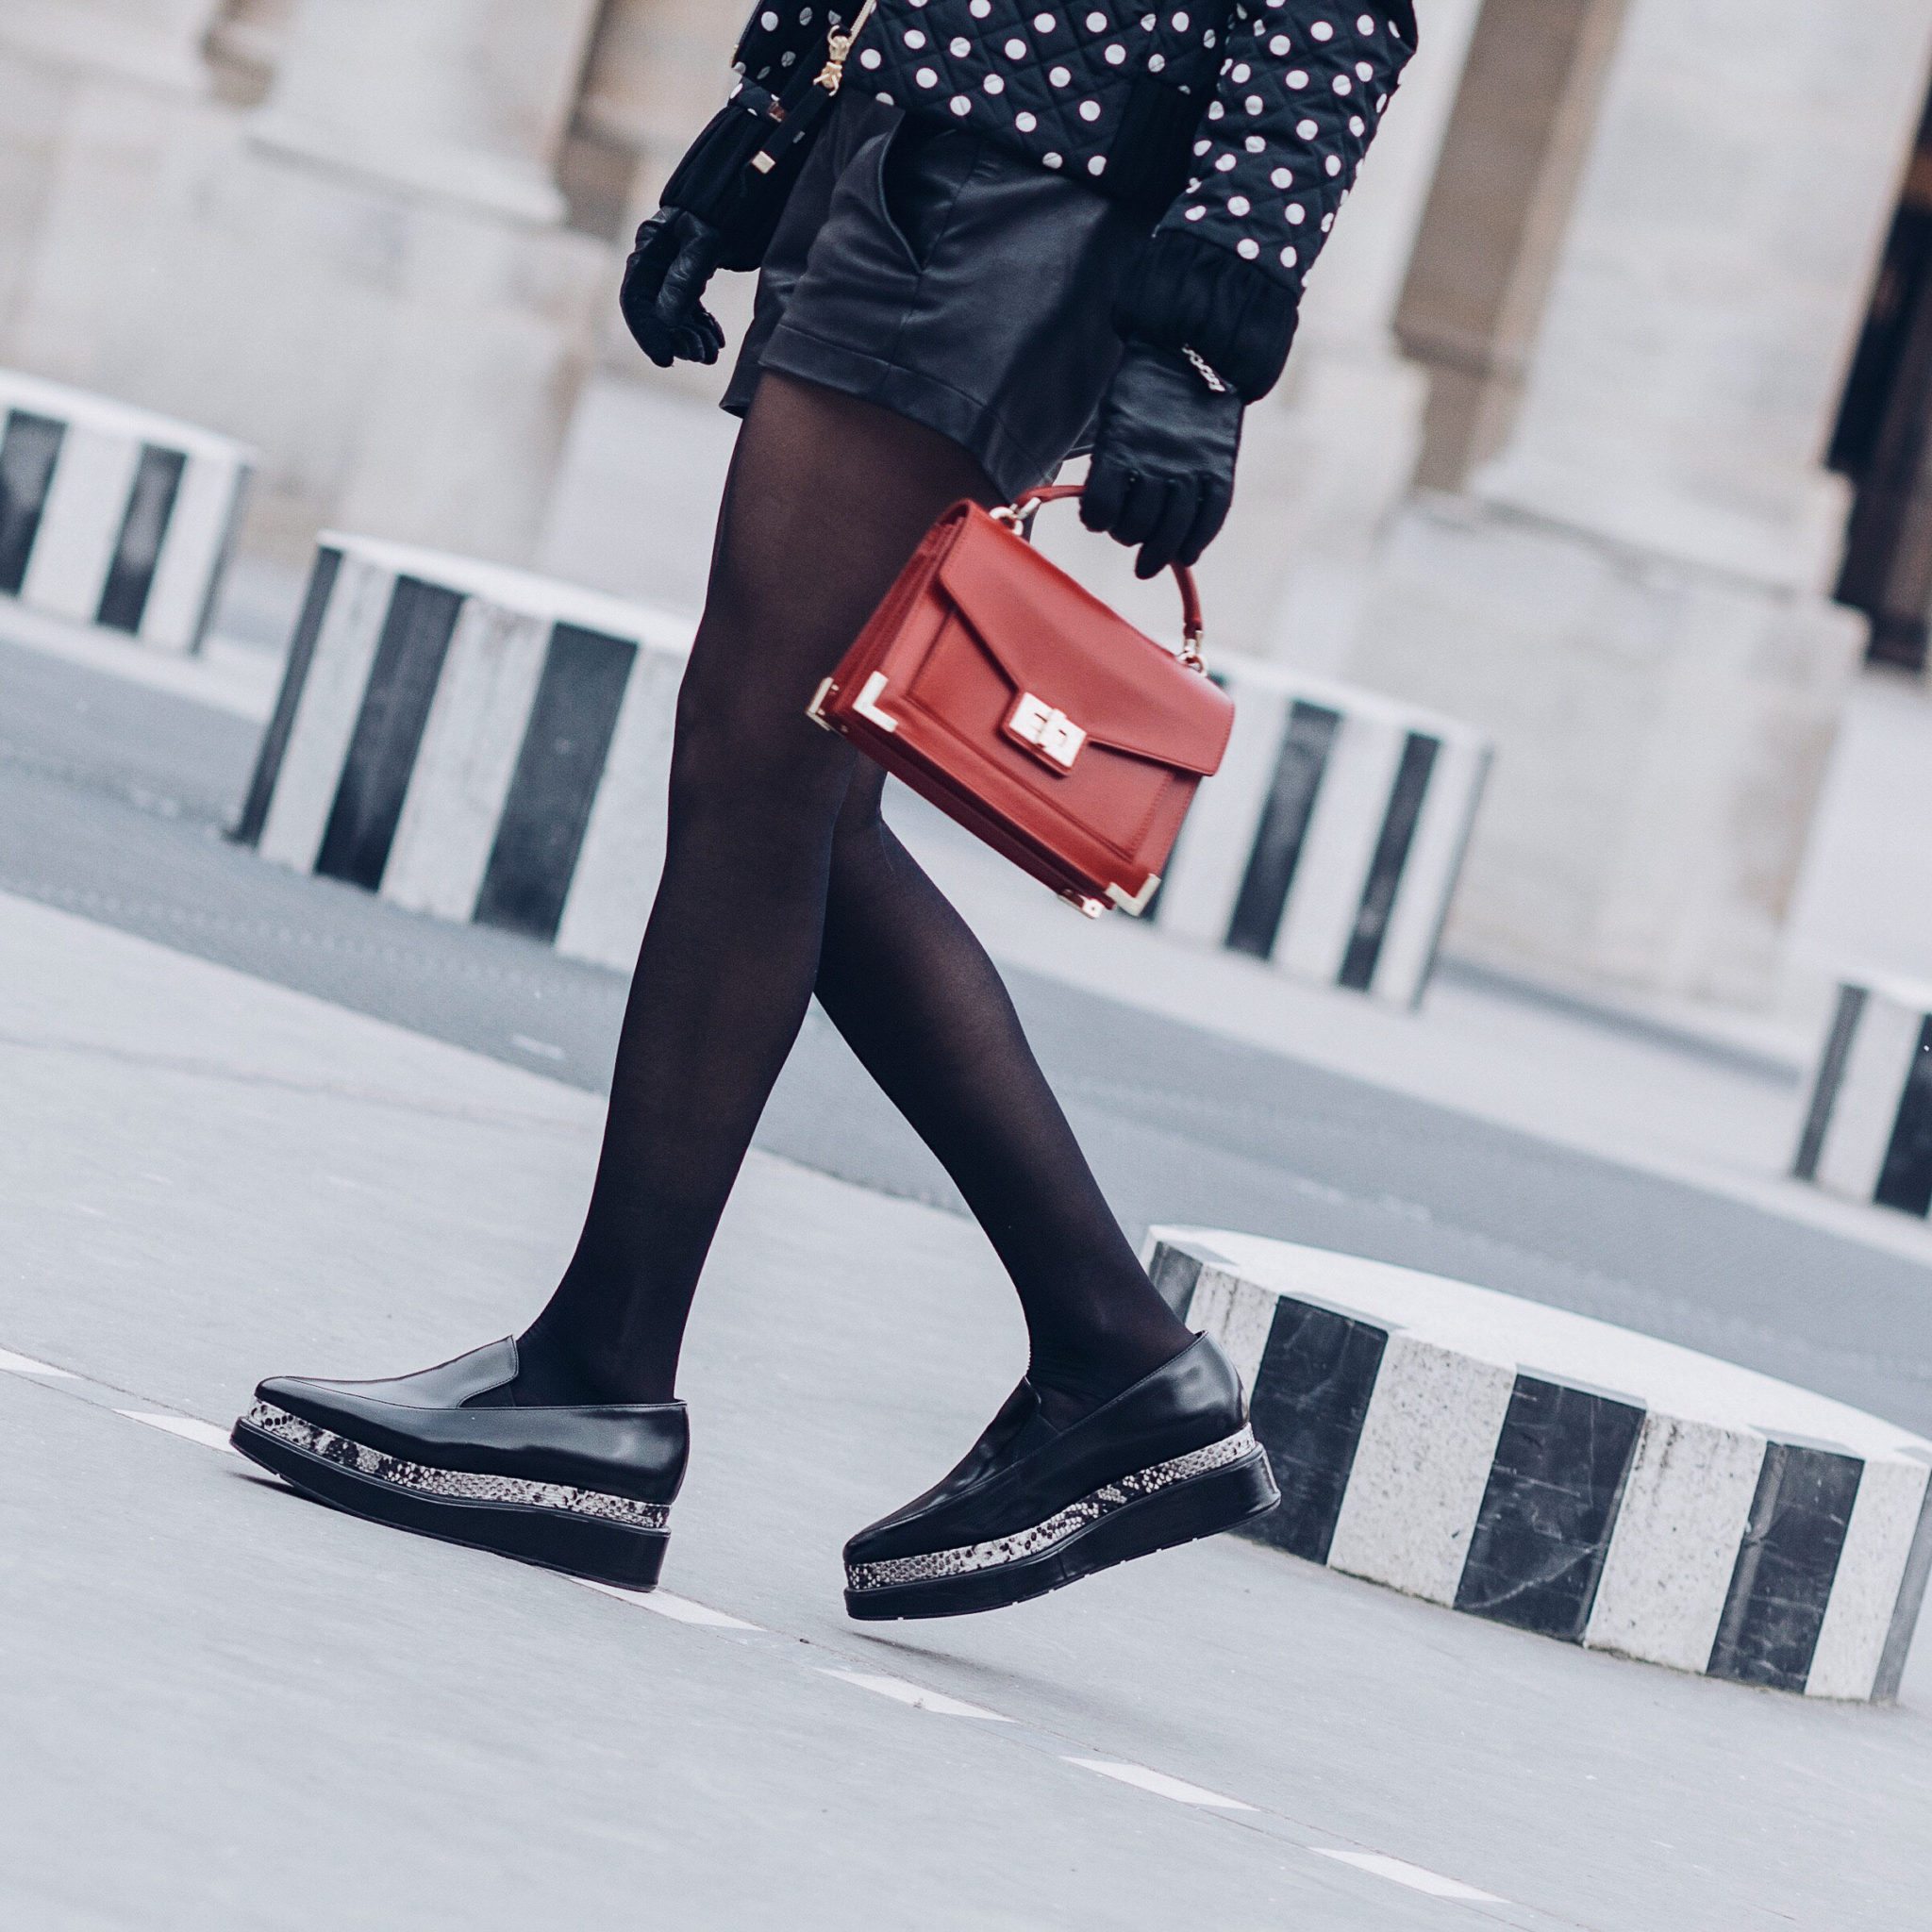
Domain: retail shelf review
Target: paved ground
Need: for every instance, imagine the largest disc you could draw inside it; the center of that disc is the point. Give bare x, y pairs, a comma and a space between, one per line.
112, 800
228, 1707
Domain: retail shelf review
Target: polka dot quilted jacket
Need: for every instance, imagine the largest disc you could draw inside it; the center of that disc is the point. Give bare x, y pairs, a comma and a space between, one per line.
1238, 124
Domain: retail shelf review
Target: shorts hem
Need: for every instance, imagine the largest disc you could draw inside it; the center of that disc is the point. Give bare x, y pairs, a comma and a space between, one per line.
1012, 464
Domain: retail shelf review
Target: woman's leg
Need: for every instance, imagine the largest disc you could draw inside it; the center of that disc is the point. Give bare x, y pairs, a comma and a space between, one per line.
924, 1009
827, 498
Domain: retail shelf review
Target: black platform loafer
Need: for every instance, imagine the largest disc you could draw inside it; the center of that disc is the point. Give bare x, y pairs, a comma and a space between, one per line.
1032, 1507
447, 1453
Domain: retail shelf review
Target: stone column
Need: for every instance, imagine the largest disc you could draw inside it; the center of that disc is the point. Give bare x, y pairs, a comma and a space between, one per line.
642, 469
1327, 455
466, 99
158, 41
659, 71
1331, 454
1631, 597
366, 279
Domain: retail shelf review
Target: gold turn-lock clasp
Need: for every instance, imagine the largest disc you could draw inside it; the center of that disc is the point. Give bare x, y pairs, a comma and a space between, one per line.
1048, 730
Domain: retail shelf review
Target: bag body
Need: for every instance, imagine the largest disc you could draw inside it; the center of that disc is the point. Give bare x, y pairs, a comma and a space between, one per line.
1016, 702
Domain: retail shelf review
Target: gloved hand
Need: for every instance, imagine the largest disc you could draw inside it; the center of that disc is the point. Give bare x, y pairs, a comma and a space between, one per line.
1162, 474
674, 257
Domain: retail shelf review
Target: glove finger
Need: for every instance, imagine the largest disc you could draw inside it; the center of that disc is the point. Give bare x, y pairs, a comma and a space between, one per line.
713, 332
655, 342
1103, 495
1210, 512
695, 345
684, 282
1147, 499
637, 298
651, 254
1176, 520
642, 278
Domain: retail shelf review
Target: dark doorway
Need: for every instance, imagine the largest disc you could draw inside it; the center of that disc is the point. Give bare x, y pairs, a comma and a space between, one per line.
1883, 441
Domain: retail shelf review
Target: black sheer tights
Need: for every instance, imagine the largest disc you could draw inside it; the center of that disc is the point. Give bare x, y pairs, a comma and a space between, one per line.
781, 879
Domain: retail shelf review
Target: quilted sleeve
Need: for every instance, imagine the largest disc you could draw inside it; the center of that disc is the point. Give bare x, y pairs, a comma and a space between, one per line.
778, 36
1302, 89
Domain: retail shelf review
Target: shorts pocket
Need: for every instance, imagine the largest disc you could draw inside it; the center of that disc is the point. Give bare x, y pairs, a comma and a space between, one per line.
917, 176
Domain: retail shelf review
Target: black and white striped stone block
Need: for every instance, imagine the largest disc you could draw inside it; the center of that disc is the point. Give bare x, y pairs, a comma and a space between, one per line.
1868, 1131
1544, 1470
475, 742
1329, 841
111, 515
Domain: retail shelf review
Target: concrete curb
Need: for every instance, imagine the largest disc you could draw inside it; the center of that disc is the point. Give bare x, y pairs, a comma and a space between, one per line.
1868, 1131
1330, 841
475, 742
112, 515
1461, 1445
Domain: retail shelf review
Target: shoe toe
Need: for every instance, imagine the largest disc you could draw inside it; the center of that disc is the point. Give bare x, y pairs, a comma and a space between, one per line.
314, 1401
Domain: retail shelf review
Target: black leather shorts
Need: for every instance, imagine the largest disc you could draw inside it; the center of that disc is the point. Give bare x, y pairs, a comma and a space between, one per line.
922, 268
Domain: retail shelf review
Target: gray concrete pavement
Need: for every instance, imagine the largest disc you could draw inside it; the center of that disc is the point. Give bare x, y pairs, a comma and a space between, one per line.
227, 1706
112, 800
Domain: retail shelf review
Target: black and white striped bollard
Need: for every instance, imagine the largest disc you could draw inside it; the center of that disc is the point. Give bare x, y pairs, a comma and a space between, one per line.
1868, 1131
1536, 1467
112, 515
1329, 841
476, 742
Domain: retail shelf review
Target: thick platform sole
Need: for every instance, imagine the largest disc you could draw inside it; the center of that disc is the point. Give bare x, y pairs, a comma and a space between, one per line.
1203, 1506
578, 1545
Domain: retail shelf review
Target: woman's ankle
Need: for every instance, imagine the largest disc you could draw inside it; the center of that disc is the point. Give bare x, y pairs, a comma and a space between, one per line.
1072, 1380
556, 1370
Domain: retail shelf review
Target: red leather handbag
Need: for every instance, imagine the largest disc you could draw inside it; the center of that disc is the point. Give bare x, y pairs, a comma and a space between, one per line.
1018, 704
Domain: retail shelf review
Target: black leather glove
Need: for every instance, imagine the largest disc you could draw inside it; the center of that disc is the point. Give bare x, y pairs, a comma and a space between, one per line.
1162, 474
674, 257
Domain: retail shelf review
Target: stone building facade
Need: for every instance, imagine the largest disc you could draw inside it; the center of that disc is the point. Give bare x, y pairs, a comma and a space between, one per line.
1606, 430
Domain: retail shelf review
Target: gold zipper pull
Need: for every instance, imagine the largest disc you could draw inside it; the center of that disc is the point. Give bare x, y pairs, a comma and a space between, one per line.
833, 71
837, 45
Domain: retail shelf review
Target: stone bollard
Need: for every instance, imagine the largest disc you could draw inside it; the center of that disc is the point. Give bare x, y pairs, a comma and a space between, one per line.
1540, 1469
1329, 843
1868, 1131
112, 515
473, 742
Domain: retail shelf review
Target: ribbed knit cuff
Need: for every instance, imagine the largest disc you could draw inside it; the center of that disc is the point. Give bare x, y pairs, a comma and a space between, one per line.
1189, 293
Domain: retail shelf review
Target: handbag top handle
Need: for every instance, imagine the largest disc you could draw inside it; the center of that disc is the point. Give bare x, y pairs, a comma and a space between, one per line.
1193, 630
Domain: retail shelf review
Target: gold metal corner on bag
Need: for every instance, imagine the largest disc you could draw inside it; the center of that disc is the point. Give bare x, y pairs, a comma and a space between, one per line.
816, 710
1136, 902
867, 703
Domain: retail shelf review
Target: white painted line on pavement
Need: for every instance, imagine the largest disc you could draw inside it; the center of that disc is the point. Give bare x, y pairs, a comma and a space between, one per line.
681, 1609
1415, 1876
903, 1691
12, 1364
1158, 1783
186, 1426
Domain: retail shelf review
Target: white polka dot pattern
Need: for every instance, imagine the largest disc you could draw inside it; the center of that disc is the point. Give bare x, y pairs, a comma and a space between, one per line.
1281, 91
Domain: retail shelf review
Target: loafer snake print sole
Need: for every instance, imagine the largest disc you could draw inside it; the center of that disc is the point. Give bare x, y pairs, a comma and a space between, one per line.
1179, 1500
589, 1533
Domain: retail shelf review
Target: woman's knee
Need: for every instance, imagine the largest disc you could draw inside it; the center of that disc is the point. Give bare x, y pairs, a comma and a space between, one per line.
778, 775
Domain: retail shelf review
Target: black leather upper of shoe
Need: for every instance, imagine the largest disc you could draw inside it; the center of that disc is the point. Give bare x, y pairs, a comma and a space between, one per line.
1021, 1470
457, 1416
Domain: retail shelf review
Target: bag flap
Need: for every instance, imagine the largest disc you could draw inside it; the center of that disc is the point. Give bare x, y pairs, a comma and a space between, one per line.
1060, 643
